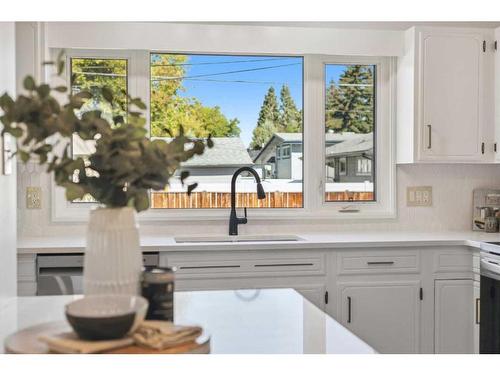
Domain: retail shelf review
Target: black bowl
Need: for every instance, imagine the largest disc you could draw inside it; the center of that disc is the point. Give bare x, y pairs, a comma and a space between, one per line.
106, 317
108, 328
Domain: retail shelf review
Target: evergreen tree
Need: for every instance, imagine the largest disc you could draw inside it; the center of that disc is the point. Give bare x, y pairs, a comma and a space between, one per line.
268, 122
290, 116
349, 107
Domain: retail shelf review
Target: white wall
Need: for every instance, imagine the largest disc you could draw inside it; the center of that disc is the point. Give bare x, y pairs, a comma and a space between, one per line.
8, 269
451, 211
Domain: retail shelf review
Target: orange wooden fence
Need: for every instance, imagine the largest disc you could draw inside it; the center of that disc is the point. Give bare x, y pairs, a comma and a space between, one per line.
223, 200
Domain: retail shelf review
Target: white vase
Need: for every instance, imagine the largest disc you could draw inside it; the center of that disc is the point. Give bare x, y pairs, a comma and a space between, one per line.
113, 260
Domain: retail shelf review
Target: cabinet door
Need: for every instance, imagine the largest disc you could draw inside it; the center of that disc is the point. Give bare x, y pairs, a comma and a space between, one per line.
451, 96
477, 315
455, 317
384, 314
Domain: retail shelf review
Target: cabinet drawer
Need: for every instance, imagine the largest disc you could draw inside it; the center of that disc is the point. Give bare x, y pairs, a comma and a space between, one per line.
374, 262
253, 264
455, 261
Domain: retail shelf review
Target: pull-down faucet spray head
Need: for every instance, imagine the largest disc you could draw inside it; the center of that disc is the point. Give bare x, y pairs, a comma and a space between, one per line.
261, 194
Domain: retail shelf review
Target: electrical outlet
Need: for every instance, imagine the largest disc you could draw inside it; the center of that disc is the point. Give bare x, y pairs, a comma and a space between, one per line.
419, 196
33, 197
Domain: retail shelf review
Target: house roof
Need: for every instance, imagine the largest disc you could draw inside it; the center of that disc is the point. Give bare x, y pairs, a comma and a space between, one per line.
227, 151
279, 138
359, 143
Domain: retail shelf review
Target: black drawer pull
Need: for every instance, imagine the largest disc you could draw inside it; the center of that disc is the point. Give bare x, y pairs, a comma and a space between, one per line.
206, 267
349, 310
387, 263
284, 265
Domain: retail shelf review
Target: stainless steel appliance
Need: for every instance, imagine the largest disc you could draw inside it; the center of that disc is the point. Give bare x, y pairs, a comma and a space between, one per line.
489, 336
63, 273
486, 203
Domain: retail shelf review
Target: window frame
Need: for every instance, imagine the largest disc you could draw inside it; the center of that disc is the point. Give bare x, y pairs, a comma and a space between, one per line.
314, 204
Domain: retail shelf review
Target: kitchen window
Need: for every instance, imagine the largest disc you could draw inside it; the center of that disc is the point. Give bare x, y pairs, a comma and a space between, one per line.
252, 108
180, 89
350, 91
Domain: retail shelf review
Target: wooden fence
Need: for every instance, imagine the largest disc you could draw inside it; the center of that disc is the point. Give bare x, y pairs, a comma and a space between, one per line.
223, 200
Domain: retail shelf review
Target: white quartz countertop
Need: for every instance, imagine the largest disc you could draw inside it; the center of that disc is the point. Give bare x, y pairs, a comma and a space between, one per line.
238, 321
69, 244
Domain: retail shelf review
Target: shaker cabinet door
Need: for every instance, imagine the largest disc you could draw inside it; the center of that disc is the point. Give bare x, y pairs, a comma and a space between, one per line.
455, 320
451, 97
386, 315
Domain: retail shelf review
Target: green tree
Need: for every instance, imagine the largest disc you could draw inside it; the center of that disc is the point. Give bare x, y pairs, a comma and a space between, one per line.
268, 121
290, 116
170, 111
349, 106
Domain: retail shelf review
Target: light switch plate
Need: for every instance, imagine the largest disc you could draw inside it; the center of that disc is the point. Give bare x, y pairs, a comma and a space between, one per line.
33, 197
419, 196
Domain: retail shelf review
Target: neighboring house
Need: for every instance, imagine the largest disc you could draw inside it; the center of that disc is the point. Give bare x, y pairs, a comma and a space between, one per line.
350, 160
217, 164
281, 156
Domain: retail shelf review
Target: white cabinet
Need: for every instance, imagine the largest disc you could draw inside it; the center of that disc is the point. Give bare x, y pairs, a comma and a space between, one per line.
456, 316
385, 314
445, 111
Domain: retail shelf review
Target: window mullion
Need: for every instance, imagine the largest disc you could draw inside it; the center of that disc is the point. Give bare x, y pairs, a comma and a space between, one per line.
313, 133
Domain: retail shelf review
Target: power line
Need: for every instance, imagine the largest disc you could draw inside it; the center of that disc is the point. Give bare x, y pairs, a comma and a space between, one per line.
164, 78
237, 81
220, 62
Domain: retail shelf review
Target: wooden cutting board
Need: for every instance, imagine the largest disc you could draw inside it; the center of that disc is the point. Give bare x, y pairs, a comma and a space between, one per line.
26, 342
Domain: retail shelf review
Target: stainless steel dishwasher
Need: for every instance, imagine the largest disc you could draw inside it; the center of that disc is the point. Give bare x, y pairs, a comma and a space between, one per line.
59, 274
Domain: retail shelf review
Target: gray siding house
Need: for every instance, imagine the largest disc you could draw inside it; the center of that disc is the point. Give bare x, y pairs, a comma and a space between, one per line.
350, 160
281, 156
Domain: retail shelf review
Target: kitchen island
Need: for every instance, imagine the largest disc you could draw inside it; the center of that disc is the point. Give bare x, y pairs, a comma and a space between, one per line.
260, 321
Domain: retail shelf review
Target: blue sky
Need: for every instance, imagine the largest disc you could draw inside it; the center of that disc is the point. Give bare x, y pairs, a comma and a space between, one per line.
244, 99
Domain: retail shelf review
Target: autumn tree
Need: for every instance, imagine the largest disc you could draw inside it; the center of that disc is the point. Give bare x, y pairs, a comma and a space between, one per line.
170, 110
349, 104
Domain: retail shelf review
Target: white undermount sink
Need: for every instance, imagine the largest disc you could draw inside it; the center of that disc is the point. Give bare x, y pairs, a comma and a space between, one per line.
243, 238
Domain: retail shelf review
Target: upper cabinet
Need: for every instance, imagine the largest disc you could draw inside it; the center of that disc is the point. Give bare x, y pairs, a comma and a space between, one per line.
445, 96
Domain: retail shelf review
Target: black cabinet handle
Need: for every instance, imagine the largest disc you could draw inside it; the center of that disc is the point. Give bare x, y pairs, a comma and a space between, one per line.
387, 263
478, 311
429, 145
348, 309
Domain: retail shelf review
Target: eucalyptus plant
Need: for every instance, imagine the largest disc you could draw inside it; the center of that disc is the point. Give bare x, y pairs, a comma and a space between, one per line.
125, 165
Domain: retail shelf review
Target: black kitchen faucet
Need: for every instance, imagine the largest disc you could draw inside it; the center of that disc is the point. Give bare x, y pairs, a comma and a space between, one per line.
233, 219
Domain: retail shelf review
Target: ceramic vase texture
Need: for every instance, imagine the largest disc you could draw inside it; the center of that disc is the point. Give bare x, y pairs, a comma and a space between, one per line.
113, 260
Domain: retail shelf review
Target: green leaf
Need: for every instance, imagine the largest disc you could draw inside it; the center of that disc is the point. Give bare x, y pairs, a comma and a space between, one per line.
60, 67
83, 95
141, 201
74, 191
61, 88
210, 142
24, 156
15, 132
138, 103
43, 90
107, 94
29, 83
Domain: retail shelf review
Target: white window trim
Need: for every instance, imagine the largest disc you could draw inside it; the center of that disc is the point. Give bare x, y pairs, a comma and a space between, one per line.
315, 206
